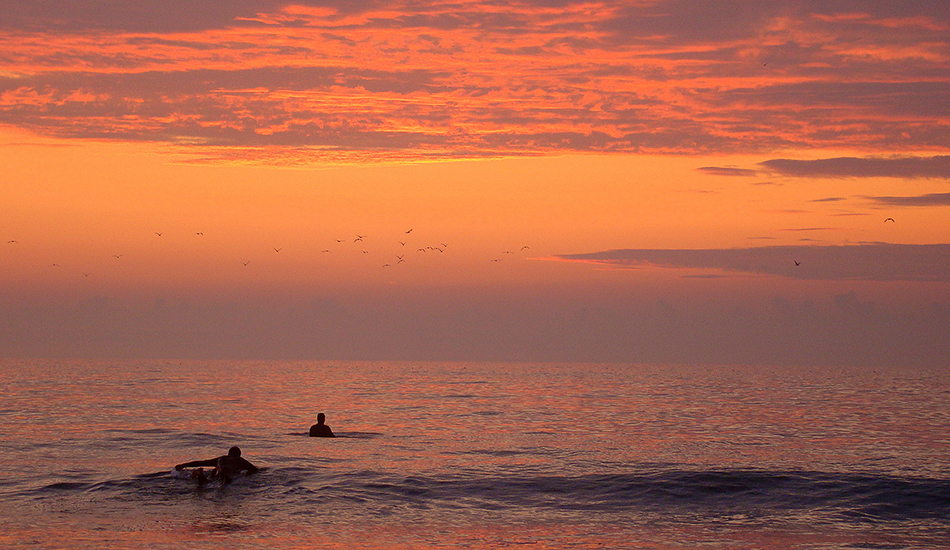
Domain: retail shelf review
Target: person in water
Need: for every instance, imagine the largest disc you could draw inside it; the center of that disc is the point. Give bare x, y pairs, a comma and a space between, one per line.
225, 467
320, 429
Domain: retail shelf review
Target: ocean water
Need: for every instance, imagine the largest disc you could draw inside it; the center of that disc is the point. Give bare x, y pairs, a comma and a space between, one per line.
470, 455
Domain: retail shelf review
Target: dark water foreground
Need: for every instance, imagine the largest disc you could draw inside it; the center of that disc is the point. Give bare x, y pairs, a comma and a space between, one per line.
655, 508
476, 456
812, 496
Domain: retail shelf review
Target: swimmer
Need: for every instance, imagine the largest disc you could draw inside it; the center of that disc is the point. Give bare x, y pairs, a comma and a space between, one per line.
320, 429
225, 467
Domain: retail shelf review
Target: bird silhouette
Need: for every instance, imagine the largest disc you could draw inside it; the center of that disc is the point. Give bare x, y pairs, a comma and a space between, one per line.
889, 220
157, 233
278, 249
245, 263
797, 262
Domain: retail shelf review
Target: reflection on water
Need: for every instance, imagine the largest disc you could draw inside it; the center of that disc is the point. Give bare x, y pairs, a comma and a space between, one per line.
478, 455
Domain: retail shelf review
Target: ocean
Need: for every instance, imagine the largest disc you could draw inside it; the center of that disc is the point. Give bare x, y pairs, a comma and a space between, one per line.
474, 455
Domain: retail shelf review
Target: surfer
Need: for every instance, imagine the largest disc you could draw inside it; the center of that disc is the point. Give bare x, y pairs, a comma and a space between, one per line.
225, 467
320, 429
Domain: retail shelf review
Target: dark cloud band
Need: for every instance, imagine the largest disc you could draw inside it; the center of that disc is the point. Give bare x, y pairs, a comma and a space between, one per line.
877, 262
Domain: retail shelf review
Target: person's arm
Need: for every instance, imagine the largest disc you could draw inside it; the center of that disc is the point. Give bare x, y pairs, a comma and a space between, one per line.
195, 463
251, 469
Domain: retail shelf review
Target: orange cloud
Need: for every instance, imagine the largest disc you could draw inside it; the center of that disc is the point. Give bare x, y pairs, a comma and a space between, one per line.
458, 80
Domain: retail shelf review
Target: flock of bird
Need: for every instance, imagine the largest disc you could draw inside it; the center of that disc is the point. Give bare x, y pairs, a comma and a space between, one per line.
397, 259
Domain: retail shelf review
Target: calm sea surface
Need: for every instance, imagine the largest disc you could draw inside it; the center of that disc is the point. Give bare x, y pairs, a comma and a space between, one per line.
463, 455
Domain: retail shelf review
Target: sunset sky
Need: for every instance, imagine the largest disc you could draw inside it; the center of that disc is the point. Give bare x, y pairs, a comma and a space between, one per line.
678, 181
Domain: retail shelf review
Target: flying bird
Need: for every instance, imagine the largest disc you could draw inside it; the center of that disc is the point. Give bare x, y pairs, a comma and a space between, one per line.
889, 220
408, 232
117, 255
525, 248
199, 233
278, 249
157, 233
359, 238
245, 263
402, 243
797, 262
11, 242
55, 265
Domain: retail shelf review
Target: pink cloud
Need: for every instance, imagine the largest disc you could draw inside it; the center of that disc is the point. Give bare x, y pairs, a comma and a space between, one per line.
469, 79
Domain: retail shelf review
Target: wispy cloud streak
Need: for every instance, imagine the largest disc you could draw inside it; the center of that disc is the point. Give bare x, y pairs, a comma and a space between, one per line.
731, 171
867, 167
929, 199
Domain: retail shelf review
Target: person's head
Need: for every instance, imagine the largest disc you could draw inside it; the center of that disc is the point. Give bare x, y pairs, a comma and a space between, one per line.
321, 418
234, 451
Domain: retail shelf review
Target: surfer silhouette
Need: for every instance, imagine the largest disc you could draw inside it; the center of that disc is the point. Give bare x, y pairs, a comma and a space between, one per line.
225, 467
320, 429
